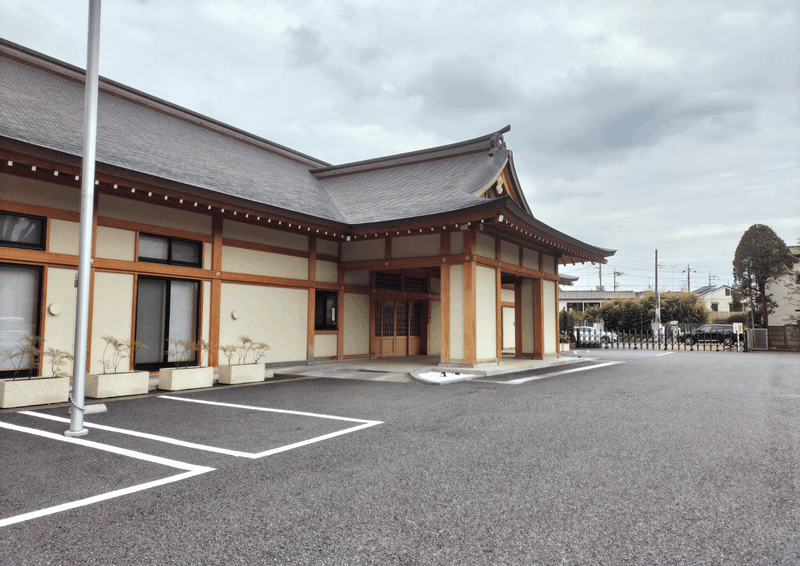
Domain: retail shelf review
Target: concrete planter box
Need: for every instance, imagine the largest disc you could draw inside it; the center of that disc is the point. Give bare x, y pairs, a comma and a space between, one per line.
175, 379
243, 373
565, 347
34, 391
101, 385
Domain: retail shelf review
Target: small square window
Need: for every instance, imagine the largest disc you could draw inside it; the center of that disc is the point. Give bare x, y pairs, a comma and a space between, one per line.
172, 251
18, 231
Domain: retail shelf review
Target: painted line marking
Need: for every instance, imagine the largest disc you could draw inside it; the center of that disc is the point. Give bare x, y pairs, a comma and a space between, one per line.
664, 354
562, 372
190, 471
225, 451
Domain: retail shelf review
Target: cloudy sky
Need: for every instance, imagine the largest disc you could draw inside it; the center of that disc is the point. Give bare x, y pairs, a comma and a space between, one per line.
637, 126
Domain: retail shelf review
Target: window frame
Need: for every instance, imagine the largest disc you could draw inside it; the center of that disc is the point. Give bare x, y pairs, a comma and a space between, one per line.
320, 303
170, 261
42, 246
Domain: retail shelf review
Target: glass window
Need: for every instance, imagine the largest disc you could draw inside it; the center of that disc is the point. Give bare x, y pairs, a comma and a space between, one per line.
173, 251
20, 292
325, 310
19, 231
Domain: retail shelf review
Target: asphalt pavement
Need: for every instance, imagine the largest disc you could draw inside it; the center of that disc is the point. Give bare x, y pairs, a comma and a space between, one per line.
628, 457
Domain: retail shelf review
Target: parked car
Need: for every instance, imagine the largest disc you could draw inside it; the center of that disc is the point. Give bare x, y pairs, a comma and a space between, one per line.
712, 333
591, 335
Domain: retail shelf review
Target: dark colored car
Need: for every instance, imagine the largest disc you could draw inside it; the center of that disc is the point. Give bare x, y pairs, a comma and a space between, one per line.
712, 333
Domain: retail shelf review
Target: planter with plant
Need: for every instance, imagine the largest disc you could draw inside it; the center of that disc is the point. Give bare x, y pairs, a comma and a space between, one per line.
184, 376
238, 369
26, 391
111, 383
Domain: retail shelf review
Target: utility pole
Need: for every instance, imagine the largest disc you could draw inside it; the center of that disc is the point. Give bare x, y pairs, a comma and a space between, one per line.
658, 295
615, 278
600, 268
689, 278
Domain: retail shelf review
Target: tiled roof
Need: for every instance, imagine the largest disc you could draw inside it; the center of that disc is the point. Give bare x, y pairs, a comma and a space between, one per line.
578, 295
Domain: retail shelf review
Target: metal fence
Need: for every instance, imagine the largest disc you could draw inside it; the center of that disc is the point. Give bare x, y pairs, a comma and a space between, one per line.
670, 339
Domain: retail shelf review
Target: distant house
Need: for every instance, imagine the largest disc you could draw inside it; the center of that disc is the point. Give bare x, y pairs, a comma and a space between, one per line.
718, 300
784, 328
582, 300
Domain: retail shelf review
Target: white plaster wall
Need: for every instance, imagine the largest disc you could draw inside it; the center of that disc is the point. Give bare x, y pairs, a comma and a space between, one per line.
456, 243
274, 315
486, 315
527, 316
114, 243
427, 245
153, 215
37, 193
364, 251
356, 324
356, 278
325, 345
208, 255
327, 272
509, 330
456, 312
550, 334
530, 259
64, 236
256, 262
484, 246
435, 345
548, 264
263, 235
327, 247
507, 295
59, 330
112, 314
205, 320
509, 252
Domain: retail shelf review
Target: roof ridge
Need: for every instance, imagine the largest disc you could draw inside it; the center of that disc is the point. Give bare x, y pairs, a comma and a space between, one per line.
491, 142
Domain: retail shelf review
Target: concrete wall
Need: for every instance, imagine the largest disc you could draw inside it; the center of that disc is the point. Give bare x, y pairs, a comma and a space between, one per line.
484, 245
327, 272
325, 345
509, 252
59, 329
356, 324
435, 344
112, 314
456, 312
64, 236
263, 235
114, 243
427, 245
256, 262
549, 306
364, 251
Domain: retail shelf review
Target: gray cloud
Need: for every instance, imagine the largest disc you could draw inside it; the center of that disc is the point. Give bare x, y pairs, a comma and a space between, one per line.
305, 46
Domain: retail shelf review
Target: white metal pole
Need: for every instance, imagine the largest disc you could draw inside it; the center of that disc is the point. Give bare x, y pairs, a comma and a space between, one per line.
76, 427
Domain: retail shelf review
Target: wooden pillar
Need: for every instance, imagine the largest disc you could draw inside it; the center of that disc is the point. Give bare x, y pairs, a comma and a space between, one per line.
216, 292
499, 312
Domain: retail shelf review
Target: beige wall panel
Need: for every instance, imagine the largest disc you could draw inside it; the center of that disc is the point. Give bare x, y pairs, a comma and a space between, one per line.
550, 337
30, 191
484, 246
456, 243
208, 255
327, 247
509, 329
364, 251
549, 264
263, 235
254, 262
527, 316
205, 323
64, 236
427, 245
327, 272
356, 324
112, 314
114, 243
456, 312
357, 278
436, 285
509, 253
325, 345
273, 315
530, 259
507, 295
486, 315
59, 330
153, 215
435, 346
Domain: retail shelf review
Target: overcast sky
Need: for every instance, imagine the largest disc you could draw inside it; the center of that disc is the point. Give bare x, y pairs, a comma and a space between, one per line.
636, 126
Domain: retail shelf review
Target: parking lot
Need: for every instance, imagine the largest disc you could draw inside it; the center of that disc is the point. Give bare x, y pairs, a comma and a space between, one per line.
639, 457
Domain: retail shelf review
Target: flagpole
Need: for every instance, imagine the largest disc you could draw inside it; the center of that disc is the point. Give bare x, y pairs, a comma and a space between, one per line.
76, 427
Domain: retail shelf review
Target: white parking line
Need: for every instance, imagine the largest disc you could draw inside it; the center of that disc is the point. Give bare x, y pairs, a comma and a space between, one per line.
239, 454
191, 470
562, 372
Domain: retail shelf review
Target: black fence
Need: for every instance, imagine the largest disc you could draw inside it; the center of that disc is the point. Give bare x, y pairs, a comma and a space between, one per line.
670, 339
